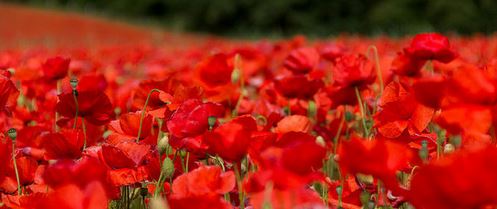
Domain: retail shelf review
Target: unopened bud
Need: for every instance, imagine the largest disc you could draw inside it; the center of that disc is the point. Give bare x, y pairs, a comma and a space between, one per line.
311, 109
143, 191
74, 83
339, 190
365, 197
349, 116
235, 76
167, 167
163, 144
211, 121
117, 110
12, 133
449, 148
320, 141
423, 152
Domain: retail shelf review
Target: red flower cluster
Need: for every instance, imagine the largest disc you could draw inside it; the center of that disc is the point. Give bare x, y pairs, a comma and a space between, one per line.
286, 124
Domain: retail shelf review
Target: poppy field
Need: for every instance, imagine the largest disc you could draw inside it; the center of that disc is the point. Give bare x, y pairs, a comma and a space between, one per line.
350, 122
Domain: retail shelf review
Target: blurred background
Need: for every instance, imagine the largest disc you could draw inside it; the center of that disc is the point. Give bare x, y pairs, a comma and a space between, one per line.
283, 18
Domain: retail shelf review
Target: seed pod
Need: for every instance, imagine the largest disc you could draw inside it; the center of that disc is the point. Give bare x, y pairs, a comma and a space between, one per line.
12, 133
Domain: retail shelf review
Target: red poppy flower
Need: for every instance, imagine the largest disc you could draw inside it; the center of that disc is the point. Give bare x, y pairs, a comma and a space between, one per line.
280, 178
460, 118
431, 46
56, 68
287, 199
198, 202
8, 94
295, 123
407, 65
353, 70
231, 140
341, 95
298, 86
80, 173
70, 196
127, 161
302, 60
214, 70
301, 147
26, 167
204, 181
130, 124
332, 51
65, 145
191, 118
473, 85
124, 155
380, 158
430, 91
94, 106
401, 112
126, 129
289, 148
463, 180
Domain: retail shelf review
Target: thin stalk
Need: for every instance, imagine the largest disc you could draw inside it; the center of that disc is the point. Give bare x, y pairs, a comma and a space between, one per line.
186, 163
76, 105
361, 108
19, 191
84, 132
239, 184
59, 89
142, 117
234, 113
377, 66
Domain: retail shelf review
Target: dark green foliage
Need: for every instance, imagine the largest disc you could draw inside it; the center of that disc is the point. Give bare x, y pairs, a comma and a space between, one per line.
310, 17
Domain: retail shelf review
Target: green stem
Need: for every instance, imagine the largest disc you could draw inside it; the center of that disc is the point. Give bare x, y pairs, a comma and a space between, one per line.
59, 87
377, 66
84, 132
239, 184
19, 191
187, 159
142, 117
361, 108
76, 105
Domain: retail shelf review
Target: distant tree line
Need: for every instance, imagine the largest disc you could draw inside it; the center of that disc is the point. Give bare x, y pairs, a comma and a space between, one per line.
310, 17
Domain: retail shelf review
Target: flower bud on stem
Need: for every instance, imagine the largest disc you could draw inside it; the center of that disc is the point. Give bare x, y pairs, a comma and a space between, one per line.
12, 133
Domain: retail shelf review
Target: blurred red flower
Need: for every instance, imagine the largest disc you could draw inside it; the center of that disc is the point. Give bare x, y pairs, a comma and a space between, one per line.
55, 68
302, 60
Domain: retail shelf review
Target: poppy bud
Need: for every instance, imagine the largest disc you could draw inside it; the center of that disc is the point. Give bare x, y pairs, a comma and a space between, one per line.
423, 152
74, 83
117, 110
348, 116
311, 109
12, 71
365, 197
456, 141
143, 191
235, 76
449, 148
167, 167
12, 133
320, 141
371, 204
212, 121
163, 143
339, 190
158, 203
